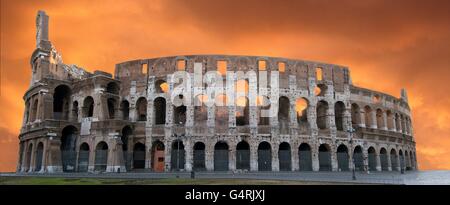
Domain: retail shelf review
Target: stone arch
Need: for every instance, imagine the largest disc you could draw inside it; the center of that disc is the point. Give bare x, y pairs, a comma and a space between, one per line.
243, 155
284, 157
28, 157
75, 110
69, 137
177, 155
125, 108
157, 153
372, 157
159, 110
264, 156
200, 110
301, 108
39, 157
284, 113
342, 158
242, 111
161, 86
397, 122
402, 159
199, 156
113, 88
221, 156
101, 156
380, 120
83, 157
139, 156
61, 99
88, 107
389, 120
322, 117
358, 158
34, 108
304, 156
112, 107
324, 157
141, 109
394, 158
384, 159
339, 112
368, 116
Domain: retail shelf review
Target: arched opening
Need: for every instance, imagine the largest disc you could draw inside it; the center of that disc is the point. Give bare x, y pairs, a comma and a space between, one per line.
264, 157
179, 115
301, 108
112, 88
221, 156
83, 158
284, 157
28, 156
33, 112
88, 107
158, 156
407, 161
324, 157
356, 115
372, 159
320, 90
75, 110
61, 99
159, 111
125, 138
368, 116
242, 111
358, 158
101, 157
263, 110
304, 157
125, 107
384, 159
243, 156
141, 109
390, 120
380, 121
342, 158
161, 86
39, 154
394, 158
139, 156
319, 74
199, 156
221, 112
200, 110
397, 122
322, 108
177, 159
68, 142
339, 109
283, 114
111, 108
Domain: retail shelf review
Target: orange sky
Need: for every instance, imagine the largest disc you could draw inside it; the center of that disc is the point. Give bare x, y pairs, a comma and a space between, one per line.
387, 45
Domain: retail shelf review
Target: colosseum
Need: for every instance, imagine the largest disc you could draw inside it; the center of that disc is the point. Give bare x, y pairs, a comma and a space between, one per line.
139, 119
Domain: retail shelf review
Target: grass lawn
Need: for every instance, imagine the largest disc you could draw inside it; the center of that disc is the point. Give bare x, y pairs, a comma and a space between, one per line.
167, 181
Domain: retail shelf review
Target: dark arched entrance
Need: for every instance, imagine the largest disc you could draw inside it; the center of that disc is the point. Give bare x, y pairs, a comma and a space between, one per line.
304, 157
284, 156
199, 156
264, 157
221, 156
243, 156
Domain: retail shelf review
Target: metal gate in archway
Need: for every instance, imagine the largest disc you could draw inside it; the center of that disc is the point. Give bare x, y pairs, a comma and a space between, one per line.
384, 162
243, 159
343, 161
221, 157
264, 157
324, 161
83, 161
284, 156
372, 162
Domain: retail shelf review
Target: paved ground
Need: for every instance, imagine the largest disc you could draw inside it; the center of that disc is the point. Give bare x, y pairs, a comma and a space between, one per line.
409, 178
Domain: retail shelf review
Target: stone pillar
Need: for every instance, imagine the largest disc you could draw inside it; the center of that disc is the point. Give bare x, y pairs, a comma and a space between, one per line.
275, 160
312, 117
189, 161
232, 156
389, 163
373, 117
315, 157
294, 157
209, 156
399, 165
384, 117
362, 116
167, 154
334, 161
330, 118
115, 156
365, 158
378, 159
253, 156
91, 165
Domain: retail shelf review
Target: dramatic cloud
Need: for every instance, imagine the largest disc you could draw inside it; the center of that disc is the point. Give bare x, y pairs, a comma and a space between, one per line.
388, 45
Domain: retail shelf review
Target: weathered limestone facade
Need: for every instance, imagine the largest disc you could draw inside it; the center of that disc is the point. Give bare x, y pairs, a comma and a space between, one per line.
76, 121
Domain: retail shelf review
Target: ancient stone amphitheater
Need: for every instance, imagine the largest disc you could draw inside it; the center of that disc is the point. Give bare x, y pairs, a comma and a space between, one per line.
77, 121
